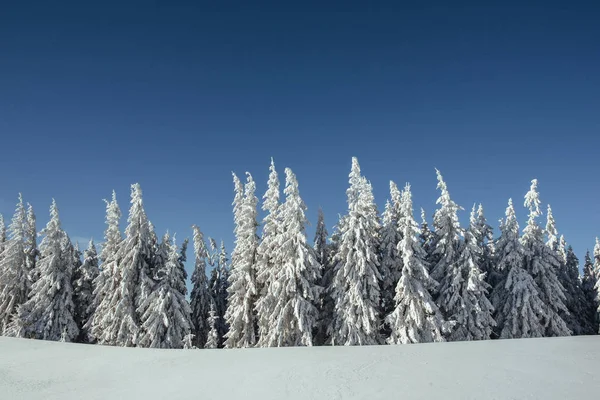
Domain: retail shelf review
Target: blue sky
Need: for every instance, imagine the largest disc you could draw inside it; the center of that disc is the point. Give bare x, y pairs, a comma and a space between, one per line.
177, 95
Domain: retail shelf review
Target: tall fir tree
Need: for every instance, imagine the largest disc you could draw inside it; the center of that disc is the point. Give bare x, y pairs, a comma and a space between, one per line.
543, 264
212, 342
165, 313
426, 236
519, 309
31, 235
326, 303
416, 318
391, 259
133, 282
83, 289
48, 314
2, 234
182, 259
240, 314
485, 240
108, 279
591, 295
292, 297
200, 298
355, 287
268, 248
577, 302
14, 272
447, 244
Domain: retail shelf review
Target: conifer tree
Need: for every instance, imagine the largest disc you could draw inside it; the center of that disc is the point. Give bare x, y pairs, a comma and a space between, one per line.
107, 281
590, 293
266, 266
200, 298
416, 318
165, 313
2, 235
355, 287
240, 315
326, 303
31, 249
543, 264
447, 245
213, 335
577, 303
597, 273
485, 241
426, 236
48, 314
519, 309
83, 289
14, 272
182, 259
391, 259
292, 296
132, 283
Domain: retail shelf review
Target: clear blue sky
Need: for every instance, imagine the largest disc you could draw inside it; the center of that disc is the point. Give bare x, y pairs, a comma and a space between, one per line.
176, 96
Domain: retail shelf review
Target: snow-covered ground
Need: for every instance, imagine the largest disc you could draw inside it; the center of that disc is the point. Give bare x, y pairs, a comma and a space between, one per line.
562, 368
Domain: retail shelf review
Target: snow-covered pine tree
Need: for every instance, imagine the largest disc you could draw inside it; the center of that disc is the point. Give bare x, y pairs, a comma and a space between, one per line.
416, 318
48, 314
543, 264
133, 281
165, 314
31, 249
447, 245
391, 260
471, 309
519, 309
240, 315
200, 298
293, 295
108, 279
577, 302
14, 272
597, 273
355, 287
212, 342
426, 235
590, 316
485, 241
267, 251
182, 259
2, 235
326, 303
83, 289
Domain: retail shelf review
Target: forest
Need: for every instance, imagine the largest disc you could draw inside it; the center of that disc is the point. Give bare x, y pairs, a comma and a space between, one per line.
379, 278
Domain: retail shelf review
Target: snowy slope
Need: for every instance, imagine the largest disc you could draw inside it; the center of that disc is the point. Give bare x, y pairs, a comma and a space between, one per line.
559, 368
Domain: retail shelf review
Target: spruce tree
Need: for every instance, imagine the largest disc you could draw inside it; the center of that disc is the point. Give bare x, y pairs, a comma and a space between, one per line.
391, 259
590, 316
292, 296
485, 241
107, 281
182, 259
2, 235
543, 264
165, 313
416, 318
83, 289
240, 315
48, 314
266, 265
577, 302
212, 341
425, 236
14, 273
355, 287
597, 273
31, 249
326, 304
516, 299
200, 297
447, 244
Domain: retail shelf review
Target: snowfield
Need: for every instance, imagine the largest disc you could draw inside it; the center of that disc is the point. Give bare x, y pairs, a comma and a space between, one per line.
557, 368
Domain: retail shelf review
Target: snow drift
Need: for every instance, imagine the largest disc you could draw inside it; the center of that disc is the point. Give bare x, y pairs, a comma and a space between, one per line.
558, 368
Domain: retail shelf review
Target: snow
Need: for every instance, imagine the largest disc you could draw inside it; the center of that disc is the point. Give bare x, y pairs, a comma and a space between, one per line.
551, 368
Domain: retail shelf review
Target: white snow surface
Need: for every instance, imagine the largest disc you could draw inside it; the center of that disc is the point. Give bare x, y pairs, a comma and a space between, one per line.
552, 368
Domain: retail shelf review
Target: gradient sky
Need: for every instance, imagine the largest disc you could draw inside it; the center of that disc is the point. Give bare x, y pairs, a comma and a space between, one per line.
176, 96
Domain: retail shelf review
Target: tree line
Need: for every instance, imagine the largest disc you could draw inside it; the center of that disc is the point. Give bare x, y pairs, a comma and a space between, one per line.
380, 278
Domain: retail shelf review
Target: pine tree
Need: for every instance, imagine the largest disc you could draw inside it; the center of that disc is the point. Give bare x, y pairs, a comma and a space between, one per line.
485, 241
391, 260
107, 281
182, 259
133, 284
2, 235
200, 297
292, 296
519, 309
470, 307
577, 302
426, 235
14, 272
597, 273
31, 249
49, 312
83, 289
266, 266
590, 316
165, 313
447, 245
355, 287
416, 318
543, 264
213, 335
326, 303
240, 315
